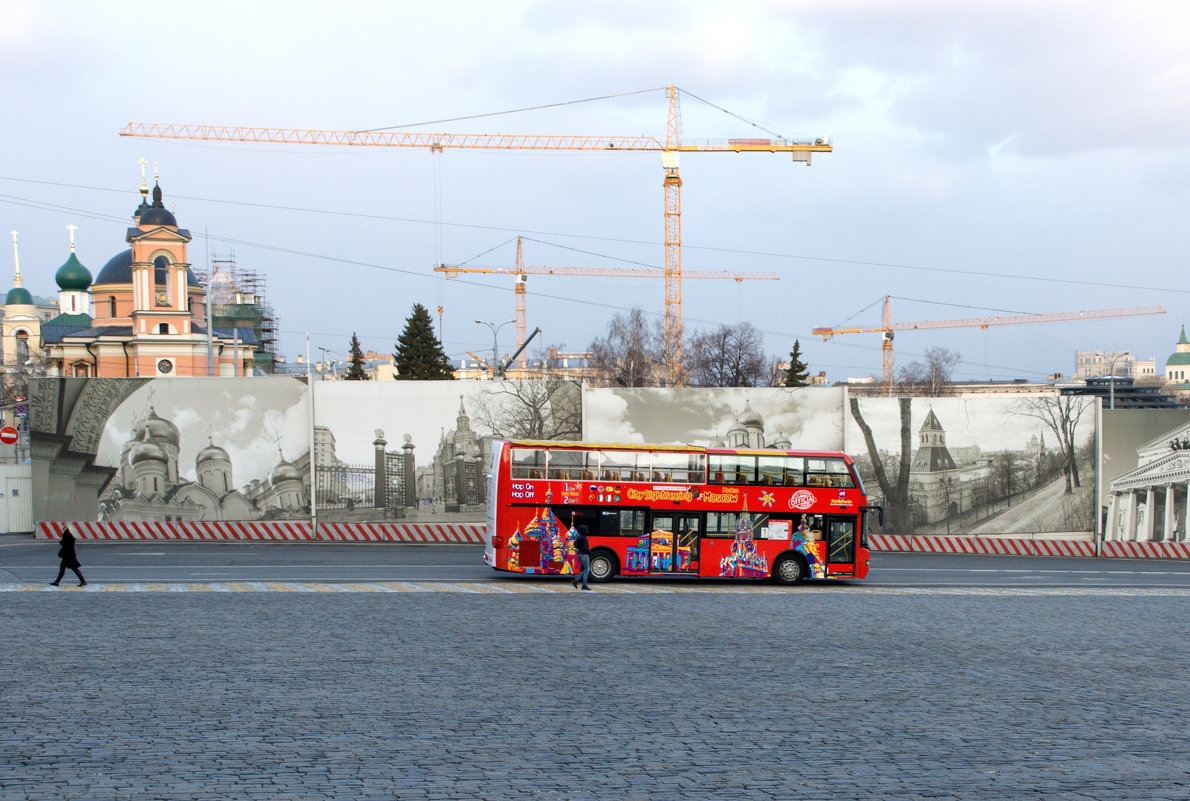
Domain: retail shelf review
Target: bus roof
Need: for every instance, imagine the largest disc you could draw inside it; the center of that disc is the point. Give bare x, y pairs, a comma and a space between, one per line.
603, 446
625, 446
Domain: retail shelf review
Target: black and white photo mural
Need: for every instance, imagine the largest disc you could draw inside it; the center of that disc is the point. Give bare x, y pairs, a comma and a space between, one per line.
977, 465
1144, 483
807, 418
167, 450
417, 451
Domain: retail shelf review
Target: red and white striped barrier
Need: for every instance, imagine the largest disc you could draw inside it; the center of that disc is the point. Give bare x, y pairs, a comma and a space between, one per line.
1147, 550
402, 532
272, 531
225, 531
981, 545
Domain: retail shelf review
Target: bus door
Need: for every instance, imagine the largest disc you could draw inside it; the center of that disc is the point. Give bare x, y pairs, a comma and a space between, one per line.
673, 542
840, 543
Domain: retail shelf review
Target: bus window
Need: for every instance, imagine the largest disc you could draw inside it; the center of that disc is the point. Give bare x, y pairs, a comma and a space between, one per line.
830, 472
780, 471
731, 468
527, 463
841, 546
623, 466
632, 523
680, 468
599, 522
721, 524
566, 465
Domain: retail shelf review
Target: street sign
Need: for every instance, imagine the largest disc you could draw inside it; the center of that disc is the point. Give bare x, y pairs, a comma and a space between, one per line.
8, 435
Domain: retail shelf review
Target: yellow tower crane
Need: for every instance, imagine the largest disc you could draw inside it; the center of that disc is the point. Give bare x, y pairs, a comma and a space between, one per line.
523, 271
889, 326
801, 150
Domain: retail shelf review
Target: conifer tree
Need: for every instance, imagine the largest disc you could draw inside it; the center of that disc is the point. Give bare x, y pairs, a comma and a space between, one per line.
798, 374
419, 355
355, 368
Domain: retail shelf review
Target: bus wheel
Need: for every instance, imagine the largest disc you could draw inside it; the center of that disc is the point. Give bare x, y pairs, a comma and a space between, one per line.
788, 570
603, 566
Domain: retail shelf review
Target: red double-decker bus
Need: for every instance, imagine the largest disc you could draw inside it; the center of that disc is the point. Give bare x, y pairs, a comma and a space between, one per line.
654, 510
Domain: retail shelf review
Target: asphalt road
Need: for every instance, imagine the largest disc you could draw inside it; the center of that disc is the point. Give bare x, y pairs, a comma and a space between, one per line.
23, 560
313, 672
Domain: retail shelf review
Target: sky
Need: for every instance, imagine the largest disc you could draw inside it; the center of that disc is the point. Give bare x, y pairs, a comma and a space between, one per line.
692, 416
257, 424
989, 158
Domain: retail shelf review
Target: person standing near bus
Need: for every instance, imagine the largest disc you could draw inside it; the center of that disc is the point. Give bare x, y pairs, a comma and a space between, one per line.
583, 549
69, 560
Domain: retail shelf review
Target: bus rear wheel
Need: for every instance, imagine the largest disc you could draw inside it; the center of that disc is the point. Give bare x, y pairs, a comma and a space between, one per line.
788, 570
603, 566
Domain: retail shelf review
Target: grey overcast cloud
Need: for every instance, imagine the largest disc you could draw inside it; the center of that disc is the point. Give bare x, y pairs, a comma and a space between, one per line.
990, 158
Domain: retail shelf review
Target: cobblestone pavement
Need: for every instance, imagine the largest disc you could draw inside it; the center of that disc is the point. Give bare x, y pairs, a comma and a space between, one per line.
452, 691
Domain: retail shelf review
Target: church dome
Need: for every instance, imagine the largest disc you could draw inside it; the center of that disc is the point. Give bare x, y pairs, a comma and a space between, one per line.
1182, 355
73, 276
211, 453
118, 270
284, 472
751, 417
155, 427
147, 451
157, 214
18, 296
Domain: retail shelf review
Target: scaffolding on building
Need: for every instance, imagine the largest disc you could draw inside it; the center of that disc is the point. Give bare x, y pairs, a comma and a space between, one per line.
239, 299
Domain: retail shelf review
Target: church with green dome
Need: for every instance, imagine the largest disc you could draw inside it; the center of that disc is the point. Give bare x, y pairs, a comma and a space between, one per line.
1177, 366
143, 314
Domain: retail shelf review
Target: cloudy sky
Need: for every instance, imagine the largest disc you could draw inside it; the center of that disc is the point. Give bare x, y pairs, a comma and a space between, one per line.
258, 424
810, 418
991, 423
990, 158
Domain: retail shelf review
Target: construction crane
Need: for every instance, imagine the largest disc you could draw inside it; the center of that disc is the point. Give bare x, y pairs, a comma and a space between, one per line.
889, 327
801, 150
522, 273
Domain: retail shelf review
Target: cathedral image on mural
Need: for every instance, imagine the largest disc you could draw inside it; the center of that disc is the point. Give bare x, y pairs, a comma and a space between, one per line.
147, 485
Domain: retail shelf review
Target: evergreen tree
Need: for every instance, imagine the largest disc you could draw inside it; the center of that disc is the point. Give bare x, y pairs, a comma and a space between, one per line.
798, 374
419, 355
355, 370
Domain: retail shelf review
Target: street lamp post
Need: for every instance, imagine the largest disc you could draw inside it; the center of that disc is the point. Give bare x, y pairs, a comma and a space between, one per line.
1111, 372
497, 370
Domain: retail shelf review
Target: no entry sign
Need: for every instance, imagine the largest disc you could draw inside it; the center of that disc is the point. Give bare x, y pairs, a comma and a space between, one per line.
8, 435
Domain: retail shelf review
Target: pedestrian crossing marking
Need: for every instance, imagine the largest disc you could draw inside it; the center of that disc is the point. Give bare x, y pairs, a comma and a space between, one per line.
618, 588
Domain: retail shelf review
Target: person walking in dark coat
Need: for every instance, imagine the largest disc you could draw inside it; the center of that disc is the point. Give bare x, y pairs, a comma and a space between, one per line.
69, 560
584, 557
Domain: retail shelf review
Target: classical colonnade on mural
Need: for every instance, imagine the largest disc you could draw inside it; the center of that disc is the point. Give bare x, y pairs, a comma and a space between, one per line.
1152, 502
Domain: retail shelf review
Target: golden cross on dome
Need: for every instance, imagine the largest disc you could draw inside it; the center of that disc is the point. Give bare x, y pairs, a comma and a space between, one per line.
72, 229
144, 186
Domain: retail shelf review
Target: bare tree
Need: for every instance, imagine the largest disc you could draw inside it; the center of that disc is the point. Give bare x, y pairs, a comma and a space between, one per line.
632, 354
896, 494
1060, 414
538, 409
929, 378
728, 356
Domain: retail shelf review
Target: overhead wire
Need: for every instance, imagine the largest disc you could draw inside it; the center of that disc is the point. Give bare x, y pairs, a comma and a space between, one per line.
623, 240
